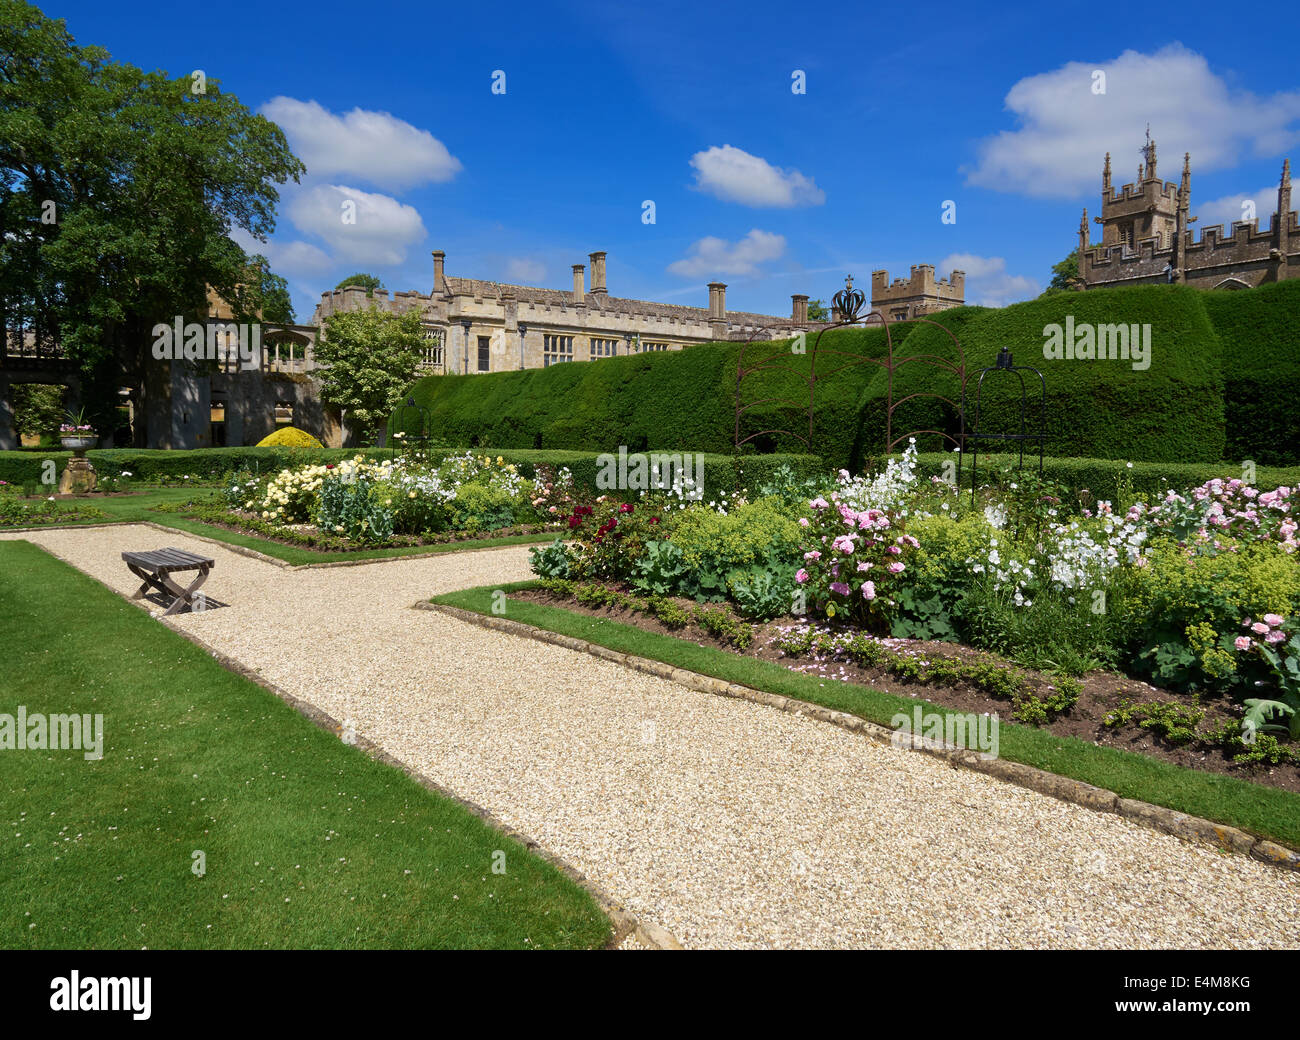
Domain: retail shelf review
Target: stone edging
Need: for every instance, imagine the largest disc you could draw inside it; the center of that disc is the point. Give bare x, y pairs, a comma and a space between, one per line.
1067, 789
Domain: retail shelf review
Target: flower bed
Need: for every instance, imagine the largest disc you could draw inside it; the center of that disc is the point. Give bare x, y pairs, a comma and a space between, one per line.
1183, 605
408, 500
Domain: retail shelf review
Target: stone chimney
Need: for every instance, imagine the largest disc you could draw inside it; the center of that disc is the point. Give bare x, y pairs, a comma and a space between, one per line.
799, 309
597, 274
717, 300
438, 257
579, 292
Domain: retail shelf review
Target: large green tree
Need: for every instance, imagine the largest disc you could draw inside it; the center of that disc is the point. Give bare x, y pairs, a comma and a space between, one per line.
1065, 276
118, 192
369, 282
371, 358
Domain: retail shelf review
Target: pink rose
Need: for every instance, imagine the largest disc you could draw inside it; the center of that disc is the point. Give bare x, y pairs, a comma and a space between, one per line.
1243, 642
1259, 628
840, 588
868, 590
815, 555
1275, 620
896, 568
801, 576
1276, 636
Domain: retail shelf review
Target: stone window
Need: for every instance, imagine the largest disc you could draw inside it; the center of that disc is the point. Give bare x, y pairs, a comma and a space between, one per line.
556, 349
646, 347
432, 356
484, 353
604, 347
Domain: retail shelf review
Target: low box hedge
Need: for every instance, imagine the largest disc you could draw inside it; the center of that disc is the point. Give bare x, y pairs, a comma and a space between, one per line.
210, 464
1102, 476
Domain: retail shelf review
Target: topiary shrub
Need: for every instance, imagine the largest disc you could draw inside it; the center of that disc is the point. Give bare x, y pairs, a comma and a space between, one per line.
289, 437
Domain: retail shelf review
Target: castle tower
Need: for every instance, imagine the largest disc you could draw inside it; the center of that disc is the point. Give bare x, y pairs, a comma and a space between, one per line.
1146, 209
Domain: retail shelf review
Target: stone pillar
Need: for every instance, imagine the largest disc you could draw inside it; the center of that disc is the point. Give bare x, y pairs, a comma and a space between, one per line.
597, 274
438, 257
579, 293
715, 299
799, 309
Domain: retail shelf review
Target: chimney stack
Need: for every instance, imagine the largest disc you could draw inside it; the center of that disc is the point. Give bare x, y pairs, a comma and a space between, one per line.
597, 274
579, 292
799, 309
717, 300
438, 257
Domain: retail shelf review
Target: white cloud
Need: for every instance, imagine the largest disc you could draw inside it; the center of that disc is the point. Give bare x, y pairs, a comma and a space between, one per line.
370, 146
289, 259
1229, 209
383, 230
1066, 129
987, 282
713, 257
522, 270
737, 176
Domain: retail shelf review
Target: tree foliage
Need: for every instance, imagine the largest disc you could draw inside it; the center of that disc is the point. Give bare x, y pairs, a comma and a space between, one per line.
372, 357
369, 282
119, 190
817, 311
38, 408
1065, 276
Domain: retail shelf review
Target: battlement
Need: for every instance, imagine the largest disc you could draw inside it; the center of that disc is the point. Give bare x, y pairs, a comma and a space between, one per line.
920, 281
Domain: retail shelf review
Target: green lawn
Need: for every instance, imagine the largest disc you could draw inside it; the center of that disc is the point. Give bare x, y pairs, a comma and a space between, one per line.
1266, 811
141, 507
309, 843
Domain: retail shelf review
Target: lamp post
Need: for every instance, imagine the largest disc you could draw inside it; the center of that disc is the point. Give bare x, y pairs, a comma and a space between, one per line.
523, 331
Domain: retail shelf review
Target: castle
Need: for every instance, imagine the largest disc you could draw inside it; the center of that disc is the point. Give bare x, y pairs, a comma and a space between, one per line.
1147, 237
479, 326
470, 326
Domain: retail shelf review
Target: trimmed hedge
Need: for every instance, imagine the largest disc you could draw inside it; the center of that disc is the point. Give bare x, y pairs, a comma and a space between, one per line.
670, 401
1102, 476
1261, 370
146, 465
1171, 411
151, 464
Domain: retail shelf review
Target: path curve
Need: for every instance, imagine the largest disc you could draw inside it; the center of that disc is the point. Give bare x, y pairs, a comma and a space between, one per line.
728, 823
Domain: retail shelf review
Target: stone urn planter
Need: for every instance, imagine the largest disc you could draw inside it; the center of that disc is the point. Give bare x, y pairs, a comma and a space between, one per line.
79, 475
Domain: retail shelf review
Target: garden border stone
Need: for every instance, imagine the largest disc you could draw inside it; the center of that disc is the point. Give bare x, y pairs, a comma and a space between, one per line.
1194, 829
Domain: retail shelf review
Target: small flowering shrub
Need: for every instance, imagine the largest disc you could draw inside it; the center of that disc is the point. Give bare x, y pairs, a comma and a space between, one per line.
854, 561
356, 509
1277, 640
610, 537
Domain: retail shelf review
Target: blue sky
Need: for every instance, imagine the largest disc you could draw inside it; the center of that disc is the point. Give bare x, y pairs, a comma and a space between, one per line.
690, 105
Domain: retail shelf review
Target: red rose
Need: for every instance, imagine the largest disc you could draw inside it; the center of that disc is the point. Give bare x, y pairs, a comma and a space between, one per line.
626, 507
654, 519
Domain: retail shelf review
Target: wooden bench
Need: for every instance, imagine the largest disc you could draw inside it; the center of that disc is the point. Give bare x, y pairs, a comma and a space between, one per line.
156, 568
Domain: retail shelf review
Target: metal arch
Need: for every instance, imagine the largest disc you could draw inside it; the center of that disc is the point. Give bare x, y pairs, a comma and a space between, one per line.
1005, 363
848, 304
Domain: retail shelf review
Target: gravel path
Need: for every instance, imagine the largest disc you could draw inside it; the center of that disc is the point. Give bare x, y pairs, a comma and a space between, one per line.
725, 822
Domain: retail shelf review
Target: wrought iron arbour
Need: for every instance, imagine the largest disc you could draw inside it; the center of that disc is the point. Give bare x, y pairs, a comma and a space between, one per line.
848, 304
1005, 363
